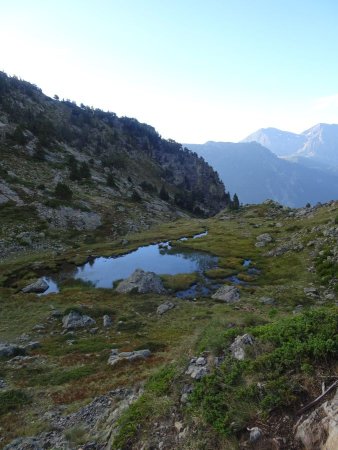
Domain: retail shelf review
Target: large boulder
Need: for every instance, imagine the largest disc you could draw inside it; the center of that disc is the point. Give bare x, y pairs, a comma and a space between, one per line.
228, 294
141, 282
319, 431
37, 287
238, 347
75, 320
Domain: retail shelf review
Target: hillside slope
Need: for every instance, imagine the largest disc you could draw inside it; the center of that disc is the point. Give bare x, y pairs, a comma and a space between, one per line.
122, 176
255, 174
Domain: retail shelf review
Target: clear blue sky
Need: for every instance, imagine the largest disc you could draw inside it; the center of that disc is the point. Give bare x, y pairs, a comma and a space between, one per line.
197, 70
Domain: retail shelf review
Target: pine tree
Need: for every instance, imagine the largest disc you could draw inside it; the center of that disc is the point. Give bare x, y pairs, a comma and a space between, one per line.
235, 202
163, 194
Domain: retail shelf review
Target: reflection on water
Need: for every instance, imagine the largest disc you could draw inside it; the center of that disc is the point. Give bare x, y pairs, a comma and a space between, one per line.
161, 259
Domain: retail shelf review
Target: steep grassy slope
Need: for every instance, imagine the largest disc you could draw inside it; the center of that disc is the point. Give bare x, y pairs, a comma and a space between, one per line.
49, 395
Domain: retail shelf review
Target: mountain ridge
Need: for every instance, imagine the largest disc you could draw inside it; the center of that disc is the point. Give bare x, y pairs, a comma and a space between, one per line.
255, 173
121, 175
319, 144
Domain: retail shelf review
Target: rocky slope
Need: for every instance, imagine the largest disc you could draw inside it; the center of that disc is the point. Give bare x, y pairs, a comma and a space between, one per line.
68, 169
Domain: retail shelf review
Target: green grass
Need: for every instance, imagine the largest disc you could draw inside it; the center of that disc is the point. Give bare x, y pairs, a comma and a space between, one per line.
180, 281
12, 400
153, 402
291, 348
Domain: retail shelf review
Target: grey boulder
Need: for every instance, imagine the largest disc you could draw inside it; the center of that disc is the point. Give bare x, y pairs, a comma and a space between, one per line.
116, 357
263, 239
38, 287
9, 350
164, 307
197, 368
228, 294
238, 347
75, 320
107, 321
141, 282
267, 301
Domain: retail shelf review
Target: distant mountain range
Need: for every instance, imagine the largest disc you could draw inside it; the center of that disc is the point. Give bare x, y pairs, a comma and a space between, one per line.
315, 147
255, 173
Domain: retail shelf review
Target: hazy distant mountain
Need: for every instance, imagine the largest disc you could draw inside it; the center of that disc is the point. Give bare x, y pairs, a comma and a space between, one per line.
316, 147
282, 143
255, 174
321, 143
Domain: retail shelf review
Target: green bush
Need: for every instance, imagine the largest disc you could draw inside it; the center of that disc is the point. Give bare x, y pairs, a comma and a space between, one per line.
63, 192
288, 348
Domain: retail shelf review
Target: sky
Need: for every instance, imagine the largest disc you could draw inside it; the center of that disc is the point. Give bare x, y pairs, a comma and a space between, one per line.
196, 70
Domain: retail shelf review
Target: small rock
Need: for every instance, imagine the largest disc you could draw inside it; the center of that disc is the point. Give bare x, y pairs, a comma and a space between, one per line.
3, 384
311, 292
107, 321
94, 330
23, 337
116, 357
39, 327
164, 307
229, 294
55, 314
297, 309
179, 426
75, 320
201, 361
267, 301
263, 239
255, 434
237, 348
32, 345
37, 287
197, 368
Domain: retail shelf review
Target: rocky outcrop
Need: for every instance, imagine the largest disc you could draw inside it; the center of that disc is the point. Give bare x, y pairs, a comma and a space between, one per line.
319, 431
116, 357
75, 320
165, 307
37, 287
8, 195
66, 217
228, 294
239, 346
141, 282
9, 350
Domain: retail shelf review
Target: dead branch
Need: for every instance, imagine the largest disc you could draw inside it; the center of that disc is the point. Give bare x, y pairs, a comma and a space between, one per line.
318, 399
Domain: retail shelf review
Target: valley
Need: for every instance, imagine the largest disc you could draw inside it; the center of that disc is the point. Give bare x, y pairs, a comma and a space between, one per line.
66, 388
